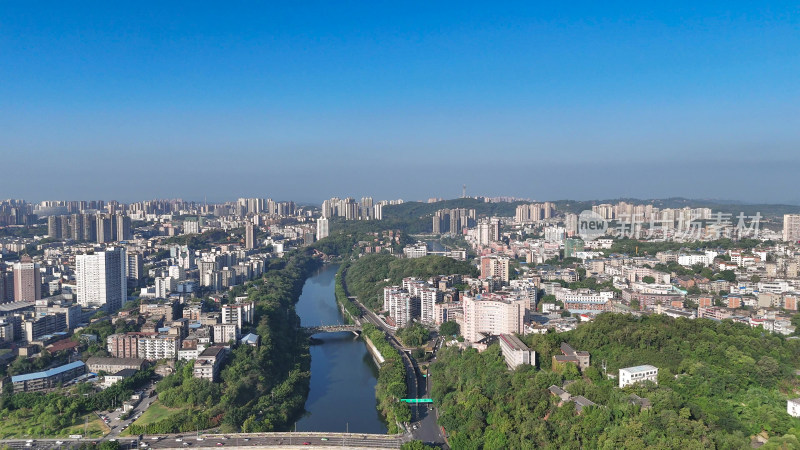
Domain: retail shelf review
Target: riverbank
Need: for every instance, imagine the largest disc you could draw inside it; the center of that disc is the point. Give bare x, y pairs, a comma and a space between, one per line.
261, 388
391, 385
349, 309
344, 369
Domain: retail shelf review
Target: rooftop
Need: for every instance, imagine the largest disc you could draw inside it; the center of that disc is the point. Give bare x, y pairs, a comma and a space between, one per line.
47, 373
514, 342
114, 361
642, 368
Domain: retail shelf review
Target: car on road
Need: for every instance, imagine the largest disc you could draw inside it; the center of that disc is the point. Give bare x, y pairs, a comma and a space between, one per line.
306, 443
178, 440
323, 439
220, 444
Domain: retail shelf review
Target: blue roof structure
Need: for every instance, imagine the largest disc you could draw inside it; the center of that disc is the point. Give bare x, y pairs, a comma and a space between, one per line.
251, 339
47, 373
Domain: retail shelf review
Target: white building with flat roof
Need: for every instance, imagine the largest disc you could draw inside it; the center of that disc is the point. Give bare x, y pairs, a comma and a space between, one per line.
515, 351
631, 375
793, 407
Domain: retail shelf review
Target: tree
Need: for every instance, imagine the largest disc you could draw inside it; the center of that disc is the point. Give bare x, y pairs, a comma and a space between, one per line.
449, 328
648, 279
755, 279
727, 275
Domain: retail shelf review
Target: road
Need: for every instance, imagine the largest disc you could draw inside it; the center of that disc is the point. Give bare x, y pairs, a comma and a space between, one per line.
256, 440
423, 415
118, 425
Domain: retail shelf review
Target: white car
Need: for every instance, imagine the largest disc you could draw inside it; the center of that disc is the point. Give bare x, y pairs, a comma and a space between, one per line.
178, 440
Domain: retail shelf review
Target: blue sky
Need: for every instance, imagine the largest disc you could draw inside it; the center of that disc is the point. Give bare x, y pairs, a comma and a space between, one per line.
305, 100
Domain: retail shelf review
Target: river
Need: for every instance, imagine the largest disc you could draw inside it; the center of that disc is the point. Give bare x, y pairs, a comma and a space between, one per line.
343, 374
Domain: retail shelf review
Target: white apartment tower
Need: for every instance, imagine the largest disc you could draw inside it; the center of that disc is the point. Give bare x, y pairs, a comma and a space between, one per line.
493, 314
322, 228
791, 227
102, 278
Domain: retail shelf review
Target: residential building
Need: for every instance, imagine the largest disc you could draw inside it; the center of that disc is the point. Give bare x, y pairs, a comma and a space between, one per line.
322, 228
488, 231
27, 280
238, 313
495, 266
515, 351
208, 363
102, 279
492, 314
159, 346
249, 236
48, 379
111, 379
134, 268
225, 333
124, 345
571, 356
636, 374
113, 365
36, 327
791, 227
400, 305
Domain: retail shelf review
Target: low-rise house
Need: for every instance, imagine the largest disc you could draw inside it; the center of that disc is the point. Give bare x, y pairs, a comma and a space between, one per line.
571, 356
636, 374
793, 407
109, 380
48, 379
515, 352
209, 362
113, 365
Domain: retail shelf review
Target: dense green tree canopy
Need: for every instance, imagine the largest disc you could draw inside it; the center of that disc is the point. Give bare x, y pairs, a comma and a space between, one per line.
719, 384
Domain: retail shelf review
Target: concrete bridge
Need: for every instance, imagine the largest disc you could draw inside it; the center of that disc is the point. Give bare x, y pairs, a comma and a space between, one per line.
355, 329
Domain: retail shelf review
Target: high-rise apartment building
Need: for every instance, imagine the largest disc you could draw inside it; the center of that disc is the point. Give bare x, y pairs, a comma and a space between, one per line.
322, 228
123, 230
238, 314
791, 227
495, 266
104, 229
492, 314
134, 268
249, 236
488, 231
102, 278
27, 280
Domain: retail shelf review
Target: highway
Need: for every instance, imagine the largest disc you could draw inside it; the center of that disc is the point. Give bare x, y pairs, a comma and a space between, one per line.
239, 440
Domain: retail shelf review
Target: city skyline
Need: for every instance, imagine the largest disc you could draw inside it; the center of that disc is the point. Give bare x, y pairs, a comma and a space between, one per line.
300, 100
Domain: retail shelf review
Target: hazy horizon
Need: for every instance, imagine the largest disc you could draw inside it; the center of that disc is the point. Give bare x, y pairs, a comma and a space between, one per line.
307, 101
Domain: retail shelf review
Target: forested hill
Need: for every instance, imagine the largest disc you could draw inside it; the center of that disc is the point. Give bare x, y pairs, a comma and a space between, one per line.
368, 275
719, 384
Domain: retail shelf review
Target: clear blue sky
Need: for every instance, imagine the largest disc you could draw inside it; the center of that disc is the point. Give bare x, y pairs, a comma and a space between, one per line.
305, 100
